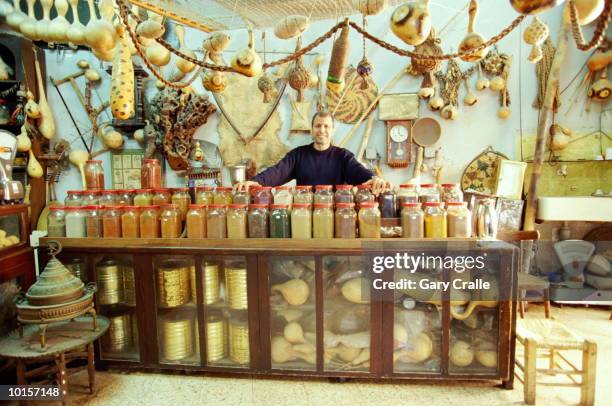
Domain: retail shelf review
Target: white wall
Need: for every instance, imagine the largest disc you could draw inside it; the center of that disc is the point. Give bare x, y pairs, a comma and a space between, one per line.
476, 127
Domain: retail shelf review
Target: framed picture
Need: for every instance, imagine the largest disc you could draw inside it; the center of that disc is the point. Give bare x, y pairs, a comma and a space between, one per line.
126, 168
510, 177
399, 106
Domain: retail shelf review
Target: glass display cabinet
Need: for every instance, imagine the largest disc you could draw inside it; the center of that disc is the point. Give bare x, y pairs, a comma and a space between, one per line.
16, 256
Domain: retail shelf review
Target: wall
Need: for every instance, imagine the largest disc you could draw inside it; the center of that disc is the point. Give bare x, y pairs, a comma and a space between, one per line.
476, 127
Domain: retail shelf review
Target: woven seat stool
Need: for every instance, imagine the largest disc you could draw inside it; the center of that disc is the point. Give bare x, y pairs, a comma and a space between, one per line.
550, 338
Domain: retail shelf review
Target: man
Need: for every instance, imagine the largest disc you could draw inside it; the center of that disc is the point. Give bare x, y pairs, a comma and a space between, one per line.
319, 163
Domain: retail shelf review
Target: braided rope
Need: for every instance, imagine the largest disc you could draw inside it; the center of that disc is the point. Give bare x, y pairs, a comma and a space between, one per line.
602, 26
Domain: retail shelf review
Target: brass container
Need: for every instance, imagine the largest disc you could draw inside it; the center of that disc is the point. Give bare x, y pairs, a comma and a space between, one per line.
211, 283
129, 289
239, 342
110, 282
236, 288
76, 266
173, 284
55, 285
177, 336
216, 338
118, 338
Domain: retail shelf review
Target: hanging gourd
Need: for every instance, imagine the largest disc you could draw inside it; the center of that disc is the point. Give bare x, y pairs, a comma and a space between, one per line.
246, 61
411, 22
46, 123
5, 8
34, 169
291, 26
157, 54
122, 79
59, 26
535, 34
76, 32
32, 109
100, 35
533, 6
265, 84
298, 76
15, 17
472, 40
182, 64
370, 7
214, 81
216, 42
586, 11
150, 29
338, 61
600, 90
42, 26
427, 67
23, 141
111, 138
28, 26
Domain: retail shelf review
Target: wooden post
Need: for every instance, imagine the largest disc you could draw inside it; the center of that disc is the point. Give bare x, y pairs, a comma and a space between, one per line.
589, 365
91, 369
530, 373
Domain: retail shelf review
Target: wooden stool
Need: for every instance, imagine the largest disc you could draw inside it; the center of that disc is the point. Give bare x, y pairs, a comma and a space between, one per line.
553, 337
529, 282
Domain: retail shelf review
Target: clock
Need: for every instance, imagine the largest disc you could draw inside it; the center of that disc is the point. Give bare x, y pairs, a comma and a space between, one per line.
399, 142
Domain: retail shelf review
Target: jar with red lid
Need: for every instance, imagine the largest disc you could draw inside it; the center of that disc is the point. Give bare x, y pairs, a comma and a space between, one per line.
93, 221
451, 192
301, 221
74, 198
412, 220
240, 197
196, 221
90, 197
345, 220
75, 222
161, 196
435, 220
344, 194
143, 197
124, 197
324, 194
407, 193
280, 221
170, 221
258, 222
130, 221
459, 219
56, 221
204, 195
150, 174
182, 198
216, 225
108, 198
237, 221
149, 222
369, 221
363, 195
111, 222
261, 195
94, 175
323, 220
387, 202
223, 195
303, 194
283, 195
429, 192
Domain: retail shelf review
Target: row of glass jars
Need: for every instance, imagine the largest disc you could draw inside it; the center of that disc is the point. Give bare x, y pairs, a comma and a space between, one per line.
150, 174
432, 220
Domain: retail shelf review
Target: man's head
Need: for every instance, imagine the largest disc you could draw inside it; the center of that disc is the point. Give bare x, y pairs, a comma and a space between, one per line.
322, 130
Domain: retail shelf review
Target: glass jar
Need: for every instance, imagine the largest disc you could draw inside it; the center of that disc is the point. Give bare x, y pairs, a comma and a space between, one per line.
130, 222
323, 194
182, 198
150, 174
94, 175
170, 221
161, 196
451, 192
369, 221
108, 198
261, 195
303, 194
223, 195
93, 221
258, 221
363, 195
216, 226
412, 220
345, 220
149, 222
435, 220
237, 221
124, 197
407, 193
75, 222
204, 195
90, 197
283, 195
241, 197
301, 221
196, 221
323, 220
344, 194
459, 219
280, 223
429, 192
111, 222
388, 204
56, 222
143, 197
74, 198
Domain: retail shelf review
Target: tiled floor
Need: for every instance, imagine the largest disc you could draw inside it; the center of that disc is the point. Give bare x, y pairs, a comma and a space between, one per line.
124, 389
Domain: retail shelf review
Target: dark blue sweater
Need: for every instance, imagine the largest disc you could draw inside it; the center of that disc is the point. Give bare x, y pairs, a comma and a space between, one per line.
334, 166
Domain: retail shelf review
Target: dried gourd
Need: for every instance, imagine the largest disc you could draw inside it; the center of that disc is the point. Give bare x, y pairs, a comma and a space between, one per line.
59, 26
34, 169
157, 54
338, 61
76, 32
294, 291
150, 29
370, 7
461, 354
586, 11
46, 123
535, 34
182, 64
291, 26
472, 39
246, 61
217, 42
411, 22
23, 141
534, 6
122, 80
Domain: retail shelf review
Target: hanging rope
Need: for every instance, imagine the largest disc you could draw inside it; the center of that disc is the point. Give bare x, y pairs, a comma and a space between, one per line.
602, 26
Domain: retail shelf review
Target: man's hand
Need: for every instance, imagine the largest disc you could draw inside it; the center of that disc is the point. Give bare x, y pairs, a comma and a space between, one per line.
245, 186
379, 185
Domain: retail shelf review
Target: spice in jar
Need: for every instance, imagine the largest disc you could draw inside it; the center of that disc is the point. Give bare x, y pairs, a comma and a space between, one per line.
301, 221
459, 220
435, 220
161, 196
90, 197
258, 222
75, 222
261, 195
388, 204
108, 198
323, 221
111, 222
280, 221
93, 221
303, 194
204, 195
181, 197
429, 192
240, 197
345, 220
237, 221
196, 221
216, 226
124, 197
170, 221
407, 193
223, 195
344, 194
363, 195
56, 222
412, 220
283, 195
149, 222
130, 222
323, 194
143, 197
451, 192
369, 221
150, 174
94, 175
74, 198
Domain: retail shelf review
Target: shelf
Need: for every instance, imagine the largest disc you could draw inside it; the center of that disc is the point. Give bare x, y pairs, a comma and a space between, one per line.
14, 128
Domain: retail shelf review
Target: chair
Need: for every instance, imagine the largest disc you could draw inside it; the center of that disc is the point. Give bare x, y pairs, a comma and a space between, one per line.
529, 282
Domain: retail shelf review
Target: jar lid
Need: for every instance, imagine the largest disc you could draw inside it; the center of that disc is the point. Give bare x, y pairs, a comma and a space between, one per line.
408, 186
323, 205
301, 205
93, 192
261, 188
368, 205
122, 191
258, 206
181, 189
91, 207
456, 204
151, 160
279, 206
449, 184
131, 207
323, 187
411, 204
162, 190
169, 206
237, 206
427, 185
149, 206
282, 187
223, 189
304, 187
197, 206
344, 187
74, 208
205, 188
58, 208
216, 206
93, 161
144, 190
76, 192
433, 204
364, 186
345, 205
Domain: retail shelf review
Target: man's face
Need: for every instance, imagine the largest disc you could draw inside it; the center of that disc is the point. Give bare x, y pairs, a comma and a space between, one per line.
322, 131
